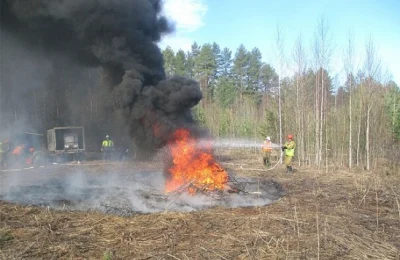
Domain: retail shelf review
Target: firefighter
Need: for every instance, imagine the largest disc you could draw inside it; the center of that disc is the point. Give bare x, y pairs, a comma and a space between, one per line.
288, 148
266, 150
18, 155
32, 157
4, 149
107, 147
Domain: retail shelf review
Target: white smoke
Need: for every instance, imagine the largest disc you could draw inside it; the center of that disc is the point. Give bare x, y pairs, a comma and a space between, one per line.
86, 188
233, 143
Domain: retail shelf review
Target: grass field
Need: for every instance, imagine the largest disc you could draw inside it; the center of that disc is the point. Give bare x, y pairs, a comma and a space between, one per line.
338, 215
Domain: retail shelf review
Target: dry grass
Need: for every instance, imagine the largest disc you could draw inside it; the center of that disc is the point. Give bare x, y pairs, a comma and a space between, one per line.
327, 216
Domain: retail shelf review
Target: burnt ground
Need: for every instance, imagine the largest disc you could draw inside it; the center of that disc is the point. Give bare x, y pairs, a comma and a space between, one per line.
124, 189
335, 215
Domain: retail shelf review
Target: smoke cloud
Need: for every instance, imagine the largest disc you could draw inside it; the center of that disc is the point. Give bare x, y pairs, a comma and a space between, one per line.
131, 192
85, 38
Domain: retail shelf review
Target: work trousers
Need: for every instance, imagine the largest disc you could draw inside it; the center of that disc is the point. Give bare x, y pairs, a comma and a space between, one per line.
267, 158
107, 154
288, 160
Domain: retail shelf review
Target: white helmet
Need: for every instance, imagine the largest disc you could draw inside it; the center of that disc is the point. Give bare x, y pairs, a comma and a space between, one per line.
268, 138
107, 136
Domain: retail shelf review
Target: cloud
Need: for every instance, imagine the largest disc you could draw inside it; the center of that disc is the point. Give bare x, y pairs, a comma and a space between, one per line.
188, 15
176, 43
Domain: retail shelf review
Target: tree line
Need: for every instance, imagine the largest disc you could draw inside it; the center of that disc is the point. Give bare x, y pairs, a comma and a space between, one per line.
354, 124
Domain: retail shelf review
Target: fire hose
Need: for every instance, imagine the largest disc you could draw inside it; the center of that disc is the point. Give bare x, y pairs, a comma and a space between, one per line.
255, 169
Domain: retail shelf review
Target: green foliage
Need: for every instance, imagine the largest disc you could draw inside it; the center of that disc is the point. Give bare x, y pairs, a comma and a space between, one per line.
205, 61
242, 100
199, 115
246, 128
225, 124
180, 63
226, 92
107, 255
392, 99
268, 78
5, 235
241, 66
269, 126
226, 63
195, 49
218, 61
190, 63
169, 60
255, 63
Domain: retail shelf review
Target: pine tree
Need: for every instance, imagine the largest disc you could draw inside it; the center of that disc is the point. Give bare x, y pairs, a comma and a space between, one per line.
190, 63
240, 68
205, 68
226, 92
226, 63
169, 61
180, 63
218, 61
268, 78
255, 64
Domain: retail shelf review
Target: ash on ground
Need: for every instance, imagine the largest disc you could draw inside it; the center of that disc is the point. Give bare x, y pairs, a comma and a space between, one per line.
122, 192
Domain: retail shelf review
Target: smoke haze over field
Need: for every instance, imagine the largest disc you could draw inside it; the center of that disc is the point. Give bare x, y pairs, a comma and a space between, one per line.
128, 192
53, 53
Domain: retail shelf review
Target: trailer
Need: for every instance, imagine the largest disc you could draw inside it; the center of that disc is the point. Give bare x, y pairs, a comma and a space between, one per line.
66, 143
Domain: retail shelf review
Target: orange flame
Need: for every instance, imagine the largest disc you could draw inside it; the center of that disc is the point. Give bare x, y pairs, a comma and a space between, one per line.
193, 166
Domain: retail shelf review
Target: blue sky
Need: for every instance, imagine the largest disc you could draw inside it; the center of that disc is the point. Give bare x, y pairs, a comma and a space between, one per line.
254, 23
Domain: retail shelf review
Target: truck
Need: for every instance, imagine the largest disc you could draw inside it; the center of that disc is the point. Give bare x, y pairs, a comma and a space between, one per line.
66, 143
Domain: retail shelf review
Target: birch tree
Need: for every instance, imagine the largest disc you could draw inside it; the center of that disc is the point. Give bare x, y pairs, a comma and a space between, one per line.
323, 51
349, 68
372, 70
279, 53
299, 58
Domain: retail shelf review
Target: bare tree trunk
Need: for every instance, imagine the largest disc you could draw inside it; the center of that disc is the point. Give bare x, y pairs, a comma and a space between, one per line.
316, 120
367, 148
321, 116
349, 63
326, 147
343, 141
394, 111
308, 141
323, 52
350, 127
298, 116
280, 55
358, 135
299, 58
372, 66
280, 111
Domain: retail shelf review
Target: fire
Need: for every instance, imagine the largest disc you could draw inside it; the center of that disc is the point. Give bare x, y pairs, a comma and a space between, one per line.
193, 166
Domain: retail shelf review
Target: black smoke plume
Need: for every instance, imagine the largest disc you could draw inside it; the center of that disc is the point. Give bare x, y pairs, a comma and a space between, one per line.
120, 37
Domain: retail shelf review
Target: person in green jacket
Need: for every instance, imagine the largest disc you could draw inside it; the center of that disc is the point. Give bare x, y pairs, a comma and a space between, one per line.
107, 147
288, 148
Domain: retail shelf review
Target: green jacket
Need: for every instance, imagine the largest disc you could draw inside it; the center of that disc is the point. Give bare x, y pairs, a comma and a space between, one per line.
290, 146
107, 144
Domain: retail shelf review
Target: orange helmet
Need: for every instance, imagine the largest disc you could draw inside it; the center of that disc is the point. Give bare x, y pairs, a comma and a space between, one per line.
290, 137
32, 150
